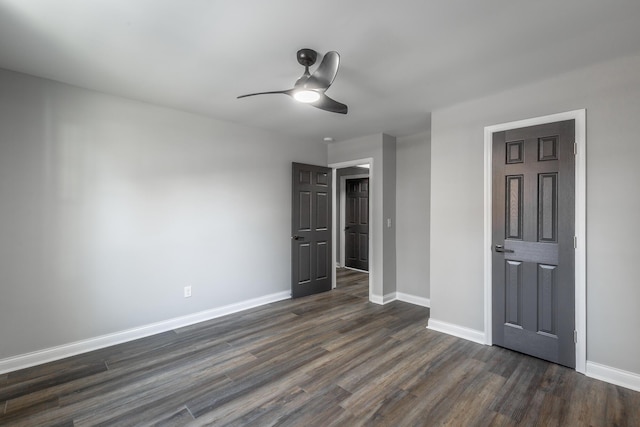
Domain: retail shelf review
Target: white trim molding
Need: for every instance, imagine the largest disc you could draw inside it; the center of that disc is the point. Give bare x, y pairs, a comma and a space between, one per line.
580, 117
400, 296
72, 349
356, 269
456, 330
382, 300
615, 376
376, 299
412, 299
387, 298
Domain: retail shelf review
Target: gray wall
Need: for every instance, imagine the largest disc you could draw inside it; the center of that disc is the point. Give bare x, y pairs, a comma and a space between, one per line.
413, 175
389, 213
375, 147
109, 207
610, 92
340, 227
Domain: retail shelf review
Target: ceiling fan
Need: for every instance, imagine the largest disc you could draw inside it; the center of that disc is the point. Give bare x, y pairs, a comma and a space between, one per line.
311, 88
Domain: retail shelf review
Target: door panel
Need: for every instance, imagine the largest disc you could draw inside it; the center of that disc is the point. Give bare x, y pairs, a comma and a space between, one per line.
547, 207
304, 213
513, 227
310, 230
547, 299
322, 261
533, 231
304, 263
357, 224
513, 290
323, 216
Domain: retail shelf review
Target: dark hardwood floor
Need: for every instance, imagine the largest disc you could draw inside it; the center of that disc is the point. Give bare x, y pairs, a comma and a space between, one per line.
328, 359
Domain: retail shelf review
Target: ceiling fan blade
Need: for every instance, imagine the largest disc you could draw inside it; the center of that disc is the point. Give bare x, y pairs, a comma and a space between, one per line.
328, 104
286, 92
322, 78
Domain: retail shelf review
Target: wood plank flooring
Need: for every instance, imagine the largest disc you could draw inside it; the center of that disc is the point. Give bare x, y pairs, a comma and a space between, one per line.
332, 359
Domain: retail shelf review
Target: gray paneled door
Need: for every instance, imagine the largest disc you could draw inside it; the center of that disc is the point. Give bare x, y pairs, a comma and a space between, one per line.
311, 230
533, 237
356, 230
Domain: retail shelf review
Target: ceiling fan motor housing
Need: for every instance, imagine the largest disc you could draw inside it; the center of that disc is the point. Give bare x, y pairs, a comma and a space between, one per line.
307, 57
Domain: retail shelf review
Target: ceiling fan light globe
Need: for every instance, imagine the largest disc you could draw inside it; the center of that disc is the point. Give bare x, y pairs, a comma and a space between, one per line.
306, 96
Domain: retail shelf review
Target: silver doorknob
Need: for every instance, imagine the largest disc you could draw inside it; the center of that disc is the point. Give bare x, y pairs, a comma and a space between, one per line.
500, 248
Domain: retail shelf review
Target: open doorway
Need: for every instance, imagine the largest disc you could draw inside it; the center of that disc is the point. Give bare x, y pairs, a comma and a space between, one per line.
355, 226
352, 282
352, 231
353, 218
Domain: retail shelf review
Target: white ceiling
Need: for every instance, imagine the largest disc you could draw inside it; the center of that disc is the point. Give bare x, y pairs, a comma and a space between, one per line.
400, 60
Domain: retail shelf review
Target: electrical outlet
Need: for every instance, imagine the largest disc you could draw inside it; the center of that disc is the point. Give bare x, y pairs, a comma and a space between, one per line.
187, 291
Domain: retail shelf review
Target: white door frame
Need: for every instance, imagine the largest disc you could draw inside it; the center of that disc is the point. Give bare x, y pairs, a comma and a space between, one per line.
334, 232
580, 224
342, 213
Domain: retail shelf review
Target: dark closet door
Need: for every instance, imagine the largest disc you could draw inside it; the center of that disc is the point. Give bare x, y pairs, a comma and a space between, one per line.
311, 230
357, 224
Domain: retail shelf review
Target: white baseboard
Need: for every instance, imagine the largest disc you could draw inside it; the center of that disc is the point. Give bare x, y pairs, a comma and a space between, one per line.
457, 331
387, 298
382, 300
400, 296
356, 269
412, 299
60, 352
376, 299
615, 376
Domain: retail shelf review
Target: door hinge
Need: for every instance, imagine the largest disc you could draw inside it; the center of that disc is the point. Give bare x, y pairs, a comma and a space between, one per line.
575, 242
575, 148
575, 337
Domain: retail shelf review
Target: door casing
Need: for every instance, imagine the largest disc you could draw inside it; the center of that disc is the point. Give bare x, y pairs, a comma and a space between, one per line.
580, 224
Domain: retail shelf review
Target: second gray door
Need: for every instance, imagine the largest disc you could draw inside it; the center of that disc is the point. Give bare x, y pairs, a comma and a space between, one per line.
533, 236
